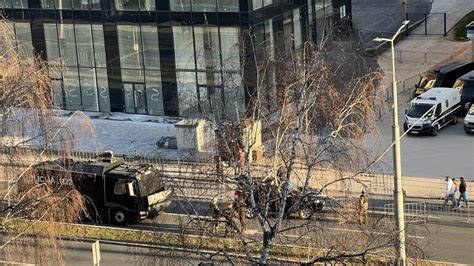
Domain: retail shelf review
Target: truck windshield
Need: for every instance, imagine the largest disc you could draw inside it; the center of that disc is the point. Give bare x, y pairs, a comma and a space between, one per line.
419, 109
426, 81
468, 91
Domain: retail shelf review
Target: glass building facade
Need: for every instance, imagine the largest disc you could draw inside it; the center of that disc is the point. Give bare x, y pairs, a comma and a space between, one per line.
161, 57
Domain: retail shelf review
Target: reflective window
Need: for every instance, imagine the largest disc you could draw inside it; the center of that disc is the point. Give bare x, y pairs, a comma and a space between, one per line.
230, 37
257, 4
228, 5
288, 31
180, 5
6, 3
297, 28
89, 89
204, 5
103, 90
67, 44
24, 42
99, 45
130, 46
207, 47
51, 38
85, 49
183, 47
151, 51
86, 4
187, 93
147, 5
71, 89
58, 4
20, 3
57, 92
154, 93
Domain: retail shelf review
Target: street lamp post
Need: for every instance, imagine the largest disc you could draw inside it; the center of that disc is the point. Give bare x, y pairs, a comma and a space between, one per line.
398, 194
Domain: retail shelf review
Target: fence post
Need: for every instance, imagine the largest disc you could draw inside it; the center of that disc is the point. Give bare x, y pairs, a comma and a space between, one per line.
444, 24
426, 25
406, 27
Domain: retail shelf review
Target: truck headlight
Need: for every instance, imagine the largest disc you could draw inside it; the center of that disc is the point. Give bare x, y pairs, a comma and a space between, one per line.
465, 121
427, 122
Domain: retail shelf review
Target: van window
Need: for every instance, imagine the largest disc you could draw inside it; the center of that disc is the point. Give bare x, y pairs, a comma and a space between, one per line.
120, 187
438, 109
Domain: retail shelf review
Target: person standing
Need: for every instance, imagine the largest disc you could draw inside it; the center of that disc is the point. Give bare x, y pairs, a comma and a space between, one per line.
363, 208
450, 190
463, 192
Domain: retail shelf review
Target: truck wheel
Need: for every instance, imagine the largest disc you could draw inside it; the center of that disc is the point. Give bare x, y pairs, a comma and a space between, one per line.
434, 131
119, 217
305, 212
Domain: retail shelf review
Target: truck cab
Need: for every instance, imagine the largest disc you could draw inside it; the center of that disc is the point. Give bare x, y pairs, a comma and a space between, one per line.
466, 86
442, 76
432, 110
114, 190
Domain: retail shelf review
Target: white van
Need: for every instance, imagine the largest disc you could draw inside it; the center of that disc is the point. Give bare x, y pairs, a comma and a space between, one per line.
469, 121
432, 110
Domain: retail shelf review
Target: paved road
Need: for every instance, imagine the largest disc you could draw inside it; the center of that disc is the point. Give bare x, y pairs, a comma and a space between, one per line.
375, 18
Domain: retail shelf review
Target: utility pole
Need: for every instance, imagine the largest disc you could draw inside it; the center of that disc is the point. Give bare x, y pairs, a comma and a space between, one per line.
398, 192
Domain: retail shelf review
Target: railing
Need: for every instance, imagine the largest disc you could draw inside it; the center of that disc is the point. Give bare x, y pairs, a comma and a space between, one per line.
414, 212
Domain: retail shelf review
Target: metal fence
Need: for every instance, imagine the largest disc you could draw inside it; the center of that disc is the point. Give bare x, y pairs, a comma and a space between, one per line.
426, 24
414, 212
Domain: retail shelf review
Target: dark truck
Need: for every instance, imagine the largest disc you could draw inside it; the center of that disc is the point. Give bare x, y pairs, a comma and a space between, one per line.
466, 85
442, 76
118, 191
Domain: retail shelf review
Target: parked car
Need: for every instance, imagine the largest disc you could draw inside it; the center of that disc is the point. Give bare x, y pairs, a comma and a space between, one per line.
469, 121
307, 204
442, 76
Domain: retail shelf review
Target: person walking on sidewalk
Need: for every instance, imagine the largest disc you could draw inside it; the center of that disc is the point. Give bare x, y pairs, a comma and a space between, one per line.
363, 208
463, 192
450, 190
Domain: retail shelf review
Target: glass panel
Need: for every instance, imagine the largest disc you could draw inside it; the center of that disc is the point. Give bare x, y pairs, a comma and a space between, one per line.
129, 46
151, 50
6, 3
49, 4
132, 75
104, 99
95, 4
154, 93
234, 95
228, 5
129, 101
230, 48
140, 98
63, 4
85, 51
67, 44
183, 46
71, 89
180, 5
80, 4
204, 5
288, 31
89, 89
207, 47
257, 4
20, 3
148, 5
297, 28
99, 46
51, 38
57, 93
23, 36
267, 2
187, 95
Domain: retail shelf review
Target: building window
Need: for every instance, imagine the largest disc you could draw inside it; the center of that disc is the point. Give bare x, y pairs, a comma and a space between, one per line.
180, 5
228, 5
130, 46
257, 4
342, 11
23, 38
297, 28
5, 4
58, 4
86, 4
20, 3
204, 5
131, 5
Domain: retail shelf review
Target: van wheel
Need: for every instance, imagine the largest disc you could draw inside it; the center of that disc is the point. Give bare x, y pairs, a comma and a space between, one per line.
305, 213
455, 120
434, 131
119, 217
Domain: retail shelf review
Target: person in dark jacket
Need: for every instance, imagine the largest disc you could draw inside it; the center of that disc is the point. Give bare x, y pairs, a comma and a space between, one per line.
463, 192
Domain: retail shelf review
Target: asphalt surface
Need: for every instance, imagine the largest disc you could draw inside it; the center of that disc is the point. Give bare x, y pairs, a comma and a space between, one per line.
375, 18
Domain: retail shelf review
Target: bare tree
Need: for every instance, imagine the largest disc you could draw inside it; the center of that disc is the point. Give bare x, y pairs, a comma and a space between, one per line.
33, 206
